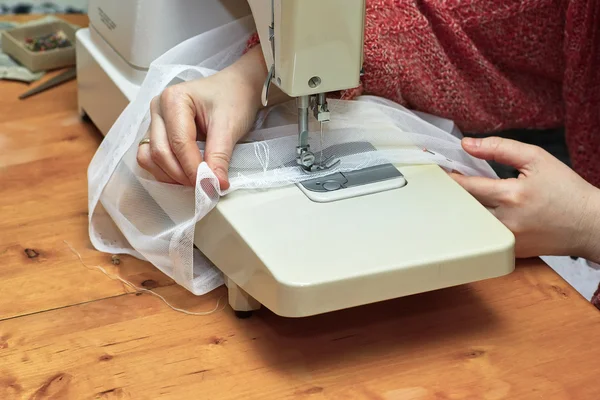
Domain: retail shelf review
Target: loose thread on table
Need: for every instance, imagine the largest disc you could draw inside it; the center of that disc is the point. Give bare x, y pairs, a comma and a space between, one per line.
143, 290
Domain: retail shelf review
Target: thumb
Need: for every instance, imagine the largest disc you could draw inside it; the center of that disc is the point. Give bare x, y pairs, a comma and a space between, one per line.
220, 142
504, 151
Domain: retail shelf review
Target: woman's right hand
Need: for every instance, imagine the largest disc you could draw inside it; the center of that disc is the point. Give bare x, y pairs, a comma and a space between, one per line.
551, 210
220, 109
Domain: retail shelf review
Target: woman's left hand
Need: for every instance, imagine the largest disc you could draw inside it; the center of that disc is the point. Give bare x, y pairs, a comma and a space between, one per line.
549, 208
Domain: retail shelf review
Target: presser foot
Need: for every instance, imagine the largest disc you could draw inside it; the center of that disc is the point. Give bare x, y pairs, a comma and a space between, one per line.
307, 160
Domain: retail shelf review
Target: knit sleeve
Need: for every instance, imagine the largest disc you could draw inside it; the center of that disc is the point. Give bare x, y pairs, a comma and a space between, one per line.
581, 87
252, 41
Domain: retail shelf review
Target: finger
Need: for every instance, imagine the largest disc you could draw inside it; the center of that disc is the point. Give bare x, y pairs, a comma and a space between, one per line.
219, 148
160, 149
487, 191
179, 114
145, 161
492, 210
504, 151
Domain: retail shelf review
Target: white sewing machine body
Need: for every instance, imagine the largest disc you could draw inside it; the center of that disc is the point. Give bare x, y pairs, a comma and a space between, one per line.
315, 247
124, 37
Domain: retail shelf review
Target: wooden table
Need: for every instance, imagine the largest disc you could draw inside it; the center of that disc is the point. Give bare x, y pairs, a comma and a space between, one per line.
67, 332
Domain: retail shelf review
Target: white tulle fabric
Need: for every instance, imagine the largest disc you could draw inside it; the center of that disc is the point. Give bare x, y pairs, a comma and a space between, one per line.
131, 213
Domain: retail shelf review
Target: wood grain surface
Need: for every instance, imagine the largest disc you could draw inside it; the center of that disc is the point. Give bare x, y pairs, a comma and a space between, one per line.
68, 332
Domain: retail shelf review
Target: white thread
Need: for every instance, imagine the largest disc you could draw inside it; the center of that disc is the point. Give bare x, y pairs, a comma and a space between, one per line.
138, 289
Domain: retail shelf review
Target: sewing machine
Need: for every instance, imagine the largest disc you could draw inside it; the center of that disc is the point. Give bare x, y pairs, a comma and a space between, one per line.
325, 244
348, 239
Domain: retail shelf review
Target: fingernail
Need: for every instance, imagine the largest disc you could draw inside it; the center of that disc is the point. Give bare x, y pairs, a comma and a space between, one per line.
222, 175
472, 142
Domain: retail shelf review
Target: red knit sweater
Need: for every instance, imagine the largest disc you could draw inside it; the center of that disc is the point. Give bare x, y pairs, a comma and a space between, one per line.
491, 65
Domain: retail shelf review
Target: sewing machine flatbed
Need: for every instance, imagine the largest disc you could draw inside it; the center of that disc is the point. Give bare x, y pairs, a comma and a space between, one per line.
299, 257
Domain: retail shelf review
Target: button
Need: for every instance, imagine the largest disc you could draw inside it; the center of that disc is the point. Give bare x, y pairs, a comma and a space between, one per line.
332, 185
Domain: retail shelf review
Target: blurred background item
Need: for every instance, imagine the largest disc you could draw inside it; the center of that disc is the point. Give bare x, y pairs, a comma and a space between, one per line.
8, 7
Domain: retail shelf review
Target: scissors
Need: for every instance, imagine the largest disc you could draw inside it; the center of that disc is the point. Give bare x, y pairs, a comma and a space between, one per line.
66, 76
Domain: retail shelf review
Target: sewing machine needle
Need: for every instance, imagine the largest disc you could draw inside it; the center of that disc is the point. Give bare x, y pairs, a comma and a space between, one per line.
321, 143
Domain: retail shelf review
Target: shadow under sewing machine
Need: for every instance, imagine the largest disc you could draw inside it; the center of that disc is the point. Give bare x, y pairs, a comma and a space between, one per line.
325, 244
